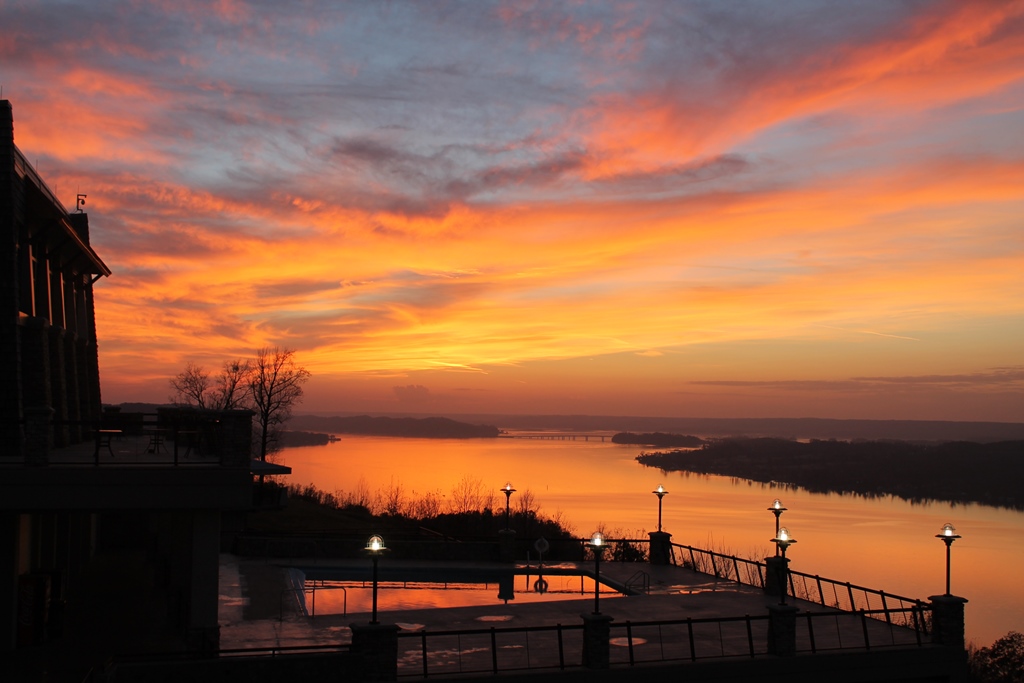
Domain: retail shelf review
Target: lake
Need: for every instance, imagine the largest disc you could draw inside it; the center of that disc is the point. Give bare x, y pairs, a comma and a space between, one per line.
883, 543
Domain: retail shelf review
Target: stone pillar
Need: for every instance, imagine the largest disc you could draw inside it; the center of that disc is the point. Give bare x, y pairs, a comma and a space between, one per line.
204, 590
375, 647
35, 356
948, 620
73, 404
37, 435
776, 575
782, 630
596, 635
507, 545
661, 547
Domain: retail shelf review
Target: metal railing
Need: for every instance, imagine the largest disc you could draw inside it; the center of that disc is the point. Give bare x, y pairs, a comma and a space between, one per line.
840, 595
309, 606
719, 565
490, 650
494, 650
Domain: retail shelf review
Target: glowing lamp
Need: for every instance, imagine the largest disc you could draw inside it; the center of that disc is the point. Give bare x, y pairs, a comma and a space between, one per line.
508, 491
375, 544
596, 544
948, 535
660, 492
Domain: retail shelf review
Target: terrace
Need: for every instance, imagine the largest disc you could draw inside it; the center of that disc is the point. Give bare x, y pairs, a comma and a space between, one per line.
706, 616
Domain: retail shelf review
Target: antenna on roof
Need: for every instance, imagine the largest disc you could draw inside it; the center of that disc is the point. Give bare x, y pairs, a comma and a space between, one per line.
80, 202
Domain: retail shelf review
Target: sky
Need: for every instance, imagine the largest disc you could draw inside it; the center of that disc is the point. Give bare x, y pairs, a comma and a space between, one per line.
699, 209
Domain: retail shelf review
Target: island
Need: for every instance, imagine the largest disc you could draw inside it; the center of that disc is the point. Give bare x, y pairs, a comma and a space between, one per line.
959, 471
659, 440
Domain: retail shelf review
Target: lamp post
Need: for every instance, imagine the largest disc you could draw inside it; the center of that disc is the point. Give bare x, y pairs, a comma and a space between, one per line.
782, 541
776, 509
948, 535
596, 544
375, 546
660, 492
508, 491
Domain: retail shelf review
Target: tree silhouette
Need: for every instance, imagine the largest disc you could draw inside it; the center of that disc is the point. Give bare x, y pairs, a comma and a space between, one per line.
191, 386
274, 383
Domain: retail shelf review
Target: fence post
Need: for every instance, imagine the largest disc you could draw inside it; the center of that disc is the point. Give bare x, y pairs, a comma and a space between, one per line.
661, 547
782, 630
376, 649
596, 636
775, 574
948, 620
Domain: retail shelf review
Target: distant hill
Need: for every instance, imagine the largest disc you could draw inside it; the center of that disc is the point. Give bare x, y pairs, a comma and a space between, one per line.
427, 427
935, 431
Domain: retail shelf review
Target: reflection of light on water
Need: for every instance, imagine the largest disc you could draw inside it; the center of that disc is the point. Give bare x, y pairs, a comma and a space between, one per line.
351, 597
495, 617
724, 587
624, 642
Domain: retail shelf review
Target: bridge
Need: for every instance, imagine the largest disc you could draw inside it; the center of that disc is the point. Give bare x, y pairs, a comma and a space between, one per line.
557, 436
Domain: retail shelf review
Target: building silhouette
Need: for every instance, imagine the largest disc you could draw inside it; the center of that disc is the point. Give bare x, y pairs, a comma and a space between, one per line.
107, 542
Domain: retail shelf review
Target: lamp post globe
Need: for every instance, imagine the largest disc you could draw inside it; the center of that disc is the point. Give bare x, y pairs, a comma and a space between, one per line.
597, 545
375, 546
508, 491
948, 534
776, 508
660, 492
782, 541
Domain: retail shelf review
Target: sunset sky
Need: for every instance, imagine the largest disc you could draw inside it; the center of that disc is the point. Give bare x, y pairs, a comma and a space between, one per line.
764, 209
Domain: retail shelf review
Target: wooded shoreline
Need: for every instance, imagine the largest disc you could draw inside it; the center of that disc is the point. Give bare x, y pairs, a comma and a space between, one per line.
958, 472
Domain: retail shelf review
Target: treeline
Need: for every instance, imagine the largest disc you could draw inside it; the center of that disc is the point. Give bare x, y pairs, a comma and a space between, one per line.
659, 440
427, 427
958, 472
469, 509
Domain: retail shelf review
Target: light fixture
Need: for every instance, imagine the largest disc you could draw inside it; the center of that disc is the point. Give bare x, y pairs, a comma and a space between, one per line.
375, 546
596, 544
660, 492
782, 541
508, 491
776, 508
948, 535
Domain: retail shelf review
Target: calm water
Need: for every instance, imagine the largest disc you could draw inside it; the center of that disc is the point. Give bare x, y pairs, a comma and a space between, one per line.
883, 543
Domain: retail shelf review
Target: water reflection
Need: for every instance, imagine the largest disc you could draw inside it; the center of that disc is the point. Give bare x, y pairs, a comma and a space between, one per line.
350, 597
881, 543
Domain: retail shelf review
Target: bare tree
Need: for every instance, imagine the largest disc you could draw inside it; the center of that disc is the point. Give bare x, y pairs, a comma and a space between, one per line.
229, 387
191, 386
275, 385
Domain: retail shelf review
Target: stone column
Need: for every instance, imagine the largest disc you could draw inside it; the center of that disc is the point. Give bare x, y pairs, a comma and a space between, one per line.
37, 435
375, 647
596, 635
948, 620
782, 630
776, 575
507, 545
661, 547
